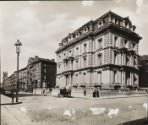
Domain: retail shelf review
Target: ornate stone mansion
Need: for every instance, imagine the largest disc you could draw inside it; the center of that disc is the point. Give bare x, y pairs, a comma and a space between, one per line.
102, 53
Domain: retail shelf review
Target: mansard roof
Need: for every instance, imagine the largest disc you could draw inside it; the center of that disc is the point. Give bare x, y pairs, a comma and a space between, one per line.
120, 22
112, 14
79, 29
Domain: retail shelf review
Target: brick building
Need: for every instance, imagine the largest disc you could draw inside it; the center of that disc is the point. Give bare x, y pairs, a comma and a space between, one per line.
143, 68
39, 73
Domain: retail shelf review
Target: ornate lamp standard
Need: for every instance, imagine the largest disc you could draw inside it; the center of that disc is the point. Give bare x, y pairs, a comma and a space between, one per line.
17, 44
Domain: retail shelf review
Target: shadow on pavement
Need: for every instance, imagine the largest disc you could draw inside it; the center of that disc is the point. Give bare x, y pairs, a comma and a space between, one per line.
136, 122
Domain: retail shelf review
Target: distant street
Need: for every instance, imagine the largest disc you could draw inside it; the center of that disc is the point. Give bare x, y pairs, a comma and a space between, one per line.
45, 110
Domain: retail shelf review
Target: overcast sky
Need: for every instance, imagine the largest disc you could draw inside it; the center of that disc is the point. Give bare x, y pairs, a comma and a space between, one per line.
40, 26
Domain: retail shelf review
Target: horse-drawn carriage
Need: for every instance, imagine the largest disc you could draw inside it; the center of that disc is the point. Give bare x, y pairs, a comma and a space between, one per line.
65, 91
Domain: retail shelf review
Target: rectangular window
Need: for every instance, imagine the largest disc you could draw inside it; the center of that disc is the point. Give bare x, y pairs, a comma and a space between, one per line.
84, 59
99, 56
44, 77
99, 78
85, 48
45, 70
100, 43
77, 64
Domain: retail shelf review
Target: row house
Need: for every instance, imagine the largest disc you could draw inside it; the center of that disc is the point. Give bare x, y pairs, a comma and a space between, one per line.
39, 73
103, 52
9, 83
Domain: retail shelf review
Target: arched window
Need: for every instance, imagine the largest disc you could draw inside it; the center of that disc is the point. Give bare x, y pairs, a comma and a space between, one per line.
99, 24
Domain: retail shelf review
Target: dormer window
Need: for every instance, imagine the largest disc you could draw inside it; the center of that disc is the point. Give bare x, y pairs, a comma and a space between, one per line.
99, 24
116, 21
128, 26
80, 33
113, 20
133, 28
125, 41
74, 35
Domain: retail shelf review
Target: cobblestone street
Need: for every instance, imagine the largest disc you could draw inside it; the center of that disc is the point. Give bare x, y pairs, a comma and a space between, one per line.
44, 110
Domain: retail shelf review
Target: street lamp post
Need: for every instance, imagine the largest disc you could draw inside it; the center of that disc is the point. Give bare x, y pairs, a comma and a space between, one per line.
17, 44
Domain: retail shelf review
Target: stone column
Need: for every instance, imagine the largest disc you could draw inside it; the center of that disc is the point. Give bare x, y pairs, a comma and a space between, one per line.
130, 60
79, 78
132, 78
137, 81
120, 77
123, 78
65, 80
110, 77
113, 57
69, 79
124, 58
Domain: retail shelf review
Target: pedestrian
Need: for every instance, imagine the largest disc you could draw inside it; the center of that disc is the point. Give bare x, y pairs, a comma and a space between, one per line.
12, 96
84, 92
44, 92
94, 92
50, 90
97, 93
61, 92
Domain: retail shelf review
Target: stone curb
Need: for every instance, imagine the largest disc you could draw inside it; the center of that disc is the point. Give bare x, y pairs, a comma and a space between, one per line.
113, 97
11, 103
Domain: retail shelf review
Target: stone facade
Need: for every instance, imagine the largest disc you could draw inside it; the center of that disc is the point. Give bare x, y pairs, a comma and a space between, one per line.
101, 53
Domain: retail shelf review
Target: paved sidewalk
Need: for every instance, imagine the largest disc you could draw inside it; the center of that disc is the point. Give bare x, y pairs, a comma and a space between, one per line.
114, 96
8, 100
